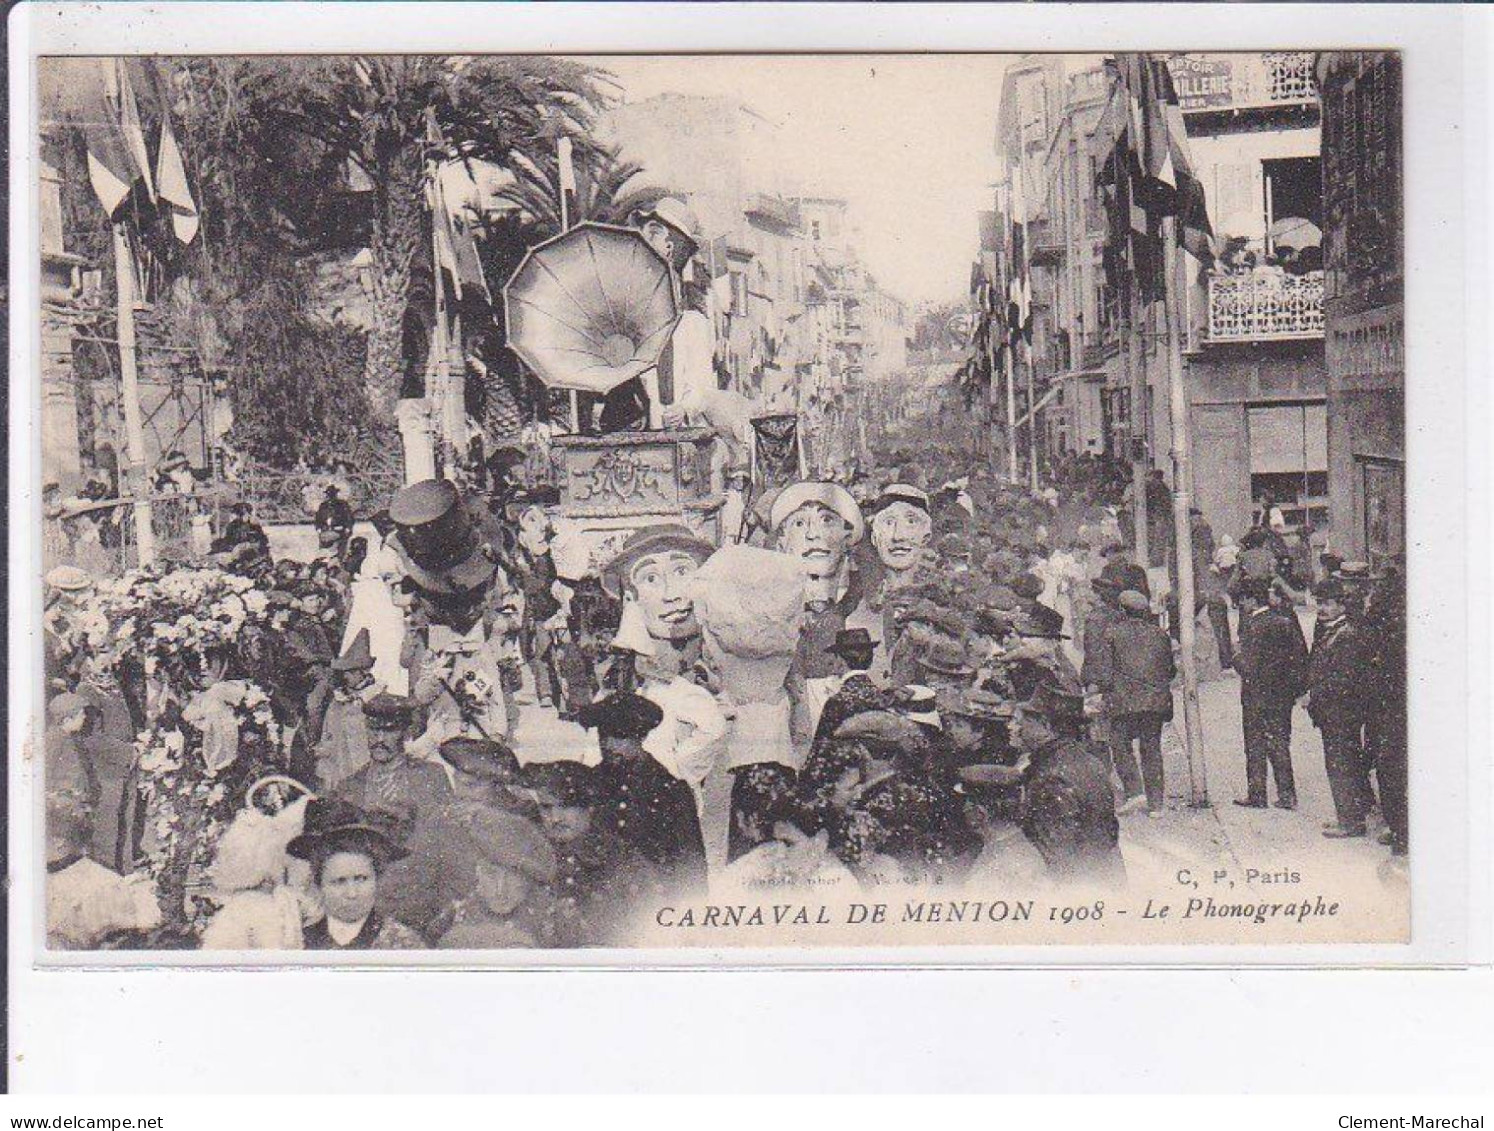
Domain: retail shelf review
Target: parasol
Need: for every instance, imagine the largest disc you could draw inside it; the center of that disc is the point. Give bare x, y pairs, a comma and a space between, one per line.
590, 309
1295, 233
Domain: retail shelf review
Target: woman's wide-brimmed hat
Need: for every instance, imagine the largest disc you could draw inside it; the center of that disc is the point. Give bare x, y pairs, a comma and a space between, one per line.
337, 826
651, 540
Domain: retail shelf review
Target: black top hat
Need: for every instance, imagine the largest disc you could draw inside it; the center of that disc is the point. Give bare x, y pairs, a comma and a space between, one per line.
481, 758
434, 529
333, 825
621, 715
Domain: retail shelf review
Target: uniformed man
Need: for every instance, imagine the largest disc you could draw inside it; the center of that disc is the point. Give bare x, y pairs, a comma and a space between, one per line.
1272, 662
602, 883
418, 888
639, 799
1338, 678
1070, 808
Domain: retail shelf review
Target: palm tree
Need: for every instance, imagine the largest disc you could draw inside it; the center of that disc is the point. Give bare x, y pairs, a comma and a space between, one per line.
391, 117
608, 190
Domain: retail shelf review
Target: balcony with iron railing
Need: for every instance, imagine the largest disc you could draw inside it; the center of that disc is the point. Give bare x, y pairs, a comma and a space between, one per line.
1207, 83
1257, 306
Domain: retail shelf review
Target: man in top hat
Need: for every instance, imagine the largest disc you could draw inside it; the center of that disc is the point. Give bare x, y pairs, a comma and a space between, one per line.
858, 690
641, 801
602, 884
1032, 652
472, 609
1070, 809
819, 523
421, 886
1134, 670
1272, 662
1339, 679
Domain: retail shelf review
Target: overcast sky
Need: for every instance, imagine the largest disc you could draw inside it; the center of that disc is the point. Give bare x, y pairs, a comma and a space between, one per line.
909, 140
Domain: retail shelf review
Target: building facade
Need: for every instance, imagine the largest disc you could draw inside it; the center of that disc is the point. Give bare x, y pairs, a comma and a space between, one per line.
1364, 289
801, 326
1256, 375
1253, 335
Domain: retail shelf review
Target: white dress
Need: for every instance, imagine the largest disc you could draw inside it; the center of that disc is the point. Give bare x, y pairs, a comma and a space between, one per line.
373, 608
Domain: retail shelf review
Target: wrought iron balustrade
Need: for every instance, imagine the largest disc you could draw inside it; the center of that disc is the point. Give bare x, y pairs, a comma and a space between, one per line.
1265, 307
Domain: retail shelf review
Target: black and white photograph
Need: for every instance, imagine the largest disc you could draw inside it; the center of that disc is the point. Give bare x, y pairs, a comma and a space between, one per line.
511, 505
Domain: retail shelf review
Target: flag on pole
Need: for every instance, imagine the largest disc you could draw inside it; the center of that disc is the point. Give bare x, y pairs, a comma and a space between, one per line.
171, 183
1019, 286
1145, 119
110, 117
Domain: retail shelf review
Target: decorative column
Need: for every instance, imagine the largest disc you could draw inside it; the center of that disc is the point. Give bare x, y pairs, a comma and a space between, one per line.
417, 437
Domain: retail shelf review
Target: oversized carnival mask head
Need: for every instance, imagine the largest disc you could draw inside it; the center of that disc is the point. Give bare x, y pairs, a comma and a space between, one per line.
652, 575
902, 528
818, 523
660, 586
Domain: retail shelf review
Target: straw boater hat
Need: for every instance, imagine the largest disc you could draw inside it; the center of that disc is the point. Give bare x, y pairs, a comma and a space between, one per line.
650, 540
68, 578
831, 496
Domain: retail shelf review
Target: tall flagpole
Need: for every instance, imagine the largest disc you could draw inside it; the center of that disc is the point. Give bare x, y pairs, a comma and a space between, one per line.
1182, 500
566, 180
1135, 352
1032, 460
139, 485
1011, 412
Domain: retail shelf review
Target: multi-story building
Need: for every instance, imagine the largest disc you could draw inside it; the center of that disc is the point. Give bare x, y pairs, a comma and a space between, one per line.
805, 327
1066, 247
1363, 302
723, 157
1256, 377
1255, 370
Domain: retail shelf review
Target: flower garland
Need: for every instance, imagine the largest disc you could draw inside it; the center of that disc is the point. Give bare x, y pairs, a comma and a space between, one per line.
189, 802
170, 619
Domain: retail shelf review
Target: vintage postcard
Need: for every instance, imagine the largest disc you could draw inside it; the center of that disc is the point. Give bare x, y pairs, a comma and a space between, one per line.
508, 506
